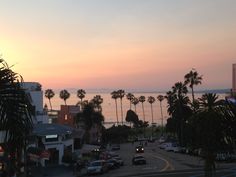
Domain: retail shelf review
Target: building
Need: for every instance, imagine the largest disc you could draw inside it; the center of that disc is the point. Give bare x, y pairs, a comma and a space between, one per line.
234, 79
55, 139
67, 113
36, 96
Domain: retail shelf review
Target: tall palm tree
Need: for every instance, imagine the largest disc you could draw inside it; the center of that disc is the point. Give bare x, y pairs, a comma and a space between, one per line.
114, 95
211, 133
142, 99
81, 94
192, 78
130, 96
64, 94
180, 107
49, 93
161, 98
121, 94
135, 101
15, 114
209, 101
151, 100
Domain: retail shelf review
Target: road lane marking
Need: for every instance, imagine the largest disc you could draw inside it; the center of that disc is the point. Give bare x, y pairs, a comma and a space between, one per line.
168, 164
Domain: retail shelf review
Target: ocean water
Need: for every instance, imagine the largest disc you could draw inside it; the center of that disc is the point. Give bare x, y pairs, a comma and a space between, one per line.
109, 110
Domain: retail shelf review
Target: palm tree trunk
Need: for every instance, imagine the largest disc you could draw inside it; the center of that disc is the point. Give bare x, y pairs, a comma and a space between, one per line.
143, 113
152, 119
192, 94
135, 108
50, 103
152, 113
117, 121
161, 119
121, 111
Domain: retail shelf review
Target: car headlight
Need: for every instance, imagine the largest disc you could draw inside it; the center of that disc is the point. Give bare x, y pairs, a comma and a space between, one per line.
142, 149
136, 149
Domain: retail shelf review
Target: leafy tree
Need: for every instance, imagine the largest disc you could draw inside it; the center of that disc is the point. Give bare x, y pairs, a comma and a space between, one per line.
132, 117
89, 117
15, 114
64, 94
118, 134
49, 94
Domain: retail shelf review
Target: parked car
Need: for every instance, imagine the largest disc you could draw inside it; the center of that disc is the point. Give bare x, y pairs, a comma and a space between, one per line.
138, 160
163, 145
113, 163
139, 149
161, 139
97, 167
169, 146
172, 146
121, 162
179, 149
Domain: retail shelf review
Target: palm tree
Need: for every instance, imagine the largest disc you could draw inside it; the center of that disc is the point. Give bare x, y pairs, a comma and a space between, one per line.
130, 96
211, 133
114, 95
180, 108
89, 117
97, 101
135, 101
209, 101
15, 114
151, 100
81, 94
49, 93
192, 78
64, 94
121, 94
142, 99
161, 98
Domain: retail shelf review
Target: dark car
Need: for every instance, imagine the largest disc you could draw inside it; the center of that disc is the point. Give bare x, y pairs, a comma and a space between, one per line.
119, 160
139, 149
138, 160
113, 163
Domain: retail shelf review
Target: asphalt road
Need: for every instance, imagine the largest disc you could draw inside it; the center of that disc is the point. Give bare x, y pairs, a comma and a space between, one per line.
159, 163
162, 163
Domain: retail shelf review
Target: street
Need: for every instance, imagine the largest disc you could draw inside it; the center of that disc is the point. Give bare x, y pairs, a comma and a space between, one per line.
159, 163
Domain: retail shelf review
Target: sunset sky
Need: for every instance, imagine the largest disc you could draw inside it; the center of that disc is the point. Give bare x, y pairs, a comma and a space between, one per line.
128, 44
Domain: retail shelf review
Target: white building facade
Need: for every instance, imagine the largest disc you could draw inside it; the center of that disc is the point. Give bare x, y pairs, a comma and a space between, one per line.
36, 95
